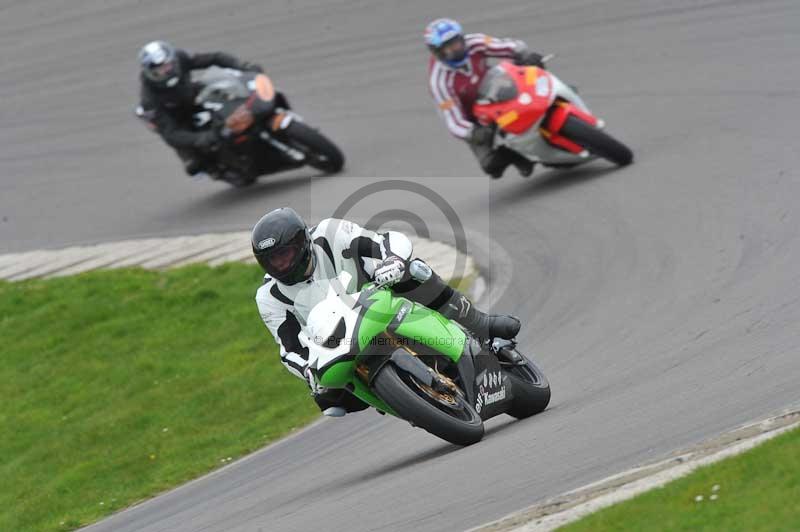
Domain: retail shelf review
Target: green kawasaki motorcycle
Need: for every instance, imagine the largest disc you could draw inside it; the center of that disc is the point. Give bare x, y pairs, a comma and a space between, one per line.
410, 361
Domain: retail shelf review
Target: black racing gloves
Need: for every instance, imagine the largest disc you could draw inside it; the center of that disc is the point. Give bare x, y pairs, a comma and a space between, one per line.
529, 59
252, 67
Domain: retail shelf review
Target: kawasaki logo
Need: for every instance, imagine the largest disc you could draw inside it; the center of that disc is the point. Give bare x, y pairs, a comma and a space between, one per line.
486, 399
496, 396
490, 380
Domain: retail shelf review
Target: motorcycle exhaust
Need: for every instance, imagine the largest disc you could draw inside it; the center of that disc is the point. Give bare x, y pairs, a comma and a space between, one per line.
295, 154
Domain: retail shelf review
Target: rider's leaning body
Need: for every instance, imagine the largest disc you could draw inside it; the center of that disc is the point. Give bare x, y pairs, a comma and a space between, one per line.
167, 99
457, 65
292, 255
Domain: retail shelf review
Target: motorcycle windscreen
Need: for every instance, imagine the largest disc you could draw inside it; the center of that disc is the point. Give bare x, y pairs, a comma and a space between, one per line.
219, 85
497, 86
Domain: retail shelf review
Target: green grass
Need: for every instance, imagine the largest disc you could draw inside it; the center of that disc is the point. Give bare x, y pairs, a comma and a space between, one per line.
117, 385
758, 490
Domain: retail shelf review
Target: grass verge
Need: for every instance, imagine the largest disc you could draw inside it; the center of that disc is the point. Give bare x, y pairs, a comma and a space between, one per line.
117, 385
757, 490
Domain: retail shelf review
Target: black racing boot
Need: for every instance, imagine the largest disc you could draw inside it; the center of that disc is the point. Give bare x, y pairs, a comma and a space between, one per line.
495, 163
193, 166
525, 167
523, 164
484, 326
427, 288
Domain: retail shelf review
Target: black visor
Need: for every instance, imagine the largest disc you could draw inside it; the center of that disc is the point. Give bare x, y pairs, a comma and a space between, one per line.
282, 258
451, 51
288, 263
163, 72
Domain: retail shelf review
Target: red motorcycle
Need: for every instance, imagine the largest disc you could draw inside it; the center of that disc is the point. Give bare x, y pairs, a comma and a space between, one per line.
543, 119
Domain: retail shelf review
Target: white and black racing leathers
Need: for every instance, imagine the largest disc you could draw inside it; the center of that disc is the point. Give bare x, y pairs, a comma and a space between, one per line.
340, 245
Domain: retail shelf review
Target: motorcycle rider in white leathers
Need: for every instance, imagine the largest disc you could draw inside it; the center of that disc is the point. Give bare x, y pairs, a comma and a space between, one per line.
292, 255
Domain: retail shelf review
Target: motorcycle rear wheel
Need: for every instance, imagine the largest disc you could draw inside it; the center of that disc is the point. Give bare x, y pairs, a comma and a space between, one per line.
596, 141
243, 182
321, 153
457, 423
530, 387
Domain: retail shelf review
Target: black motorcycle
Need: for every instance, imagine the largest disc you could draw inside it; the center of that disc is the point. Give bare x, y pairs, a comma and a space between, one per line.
260, 133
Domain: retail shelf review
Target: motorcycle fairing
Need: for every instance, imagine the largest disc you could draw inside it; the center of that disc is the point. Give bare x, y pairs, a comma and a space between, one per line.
492, 391
530, 116
514, 111
555, 121
351, 336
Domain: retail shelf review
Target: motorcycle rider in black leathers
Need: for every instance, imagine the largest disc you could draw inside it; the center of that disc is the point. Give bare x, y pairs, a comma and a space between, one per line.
167, 99
291, 255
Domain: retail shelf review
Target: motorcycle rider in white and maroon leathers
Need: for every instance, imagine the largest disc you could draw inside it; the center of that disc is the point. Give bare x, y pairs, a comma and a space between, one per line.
456, 68
292, 255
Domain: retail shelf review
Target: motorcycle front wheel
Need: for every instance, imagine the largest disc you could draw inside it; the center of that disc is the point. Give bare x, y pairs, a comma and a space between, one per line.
320, 152
597, 141
446, 415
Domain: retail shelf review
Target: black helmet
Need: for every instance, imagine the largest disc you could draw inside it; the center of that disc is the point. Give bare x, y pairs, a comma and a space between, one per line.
160, 64
282, 246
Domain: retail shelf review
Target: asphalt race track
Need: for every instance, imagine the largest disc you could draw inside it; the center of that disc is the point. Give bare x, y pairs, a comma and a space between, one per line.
662, 299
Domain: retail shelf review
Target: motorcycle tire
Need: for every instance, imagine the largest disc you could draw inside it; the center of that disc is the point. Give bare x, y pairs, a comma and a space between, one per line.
597, 141
530, 387
242, 182
321, 153
411, 402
